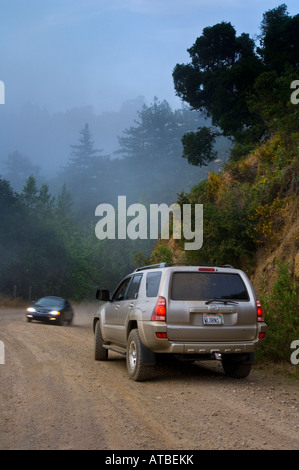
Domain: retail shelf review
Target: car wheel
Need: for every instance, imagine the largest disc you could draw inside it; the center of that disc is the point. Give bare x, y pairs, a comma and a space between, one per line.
100, 353
137, 370
235, 369
60, 320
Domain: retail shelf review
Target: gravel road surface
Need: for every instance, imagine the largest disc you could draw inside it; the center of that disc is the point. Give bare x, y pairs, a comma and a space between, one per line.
54, 395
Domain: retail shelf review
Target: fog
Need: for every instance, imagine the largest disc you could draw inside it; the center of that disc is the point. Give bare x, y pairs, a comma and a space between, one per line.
66, 65
46, 138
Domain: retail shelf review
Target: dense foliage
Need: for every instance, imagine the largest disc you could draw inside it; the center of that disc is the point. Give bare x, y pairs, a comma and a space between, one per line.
245, 204
281, 310
243, 87
42, 250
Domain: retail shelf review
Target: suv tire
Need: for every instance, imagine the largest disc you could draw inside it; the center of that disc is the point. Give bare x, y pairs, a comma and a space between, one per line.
137, 370
100, 353
236, 369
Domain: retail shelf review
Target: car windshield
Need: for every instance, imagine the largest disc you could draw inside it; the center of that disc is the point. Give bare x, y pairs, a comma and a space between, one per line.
208, 286
50, 302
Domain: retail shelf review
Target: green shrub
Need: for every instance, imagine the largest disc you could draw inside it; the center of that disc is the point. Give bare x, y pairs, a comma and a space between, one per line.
281, 314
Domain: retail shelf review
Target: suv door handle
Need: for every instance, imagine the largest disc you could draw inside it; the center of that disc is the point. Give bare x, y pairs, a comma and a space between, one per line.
117, 306
131, 305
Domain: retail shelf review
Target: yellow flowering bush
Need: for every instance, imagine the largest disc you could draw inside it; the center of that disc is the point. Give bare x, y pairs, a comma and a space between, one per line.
213, 186
268, 220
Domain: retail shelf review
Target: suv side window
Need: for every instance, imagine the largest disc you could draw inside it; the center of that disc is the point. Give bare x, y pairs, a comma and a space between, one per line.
153, 283
134, 287
120, 292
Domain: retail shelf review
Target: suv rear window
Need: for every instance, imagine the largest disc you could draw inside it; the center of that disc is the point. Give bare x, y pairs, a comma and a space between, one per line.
153, 283
207, 286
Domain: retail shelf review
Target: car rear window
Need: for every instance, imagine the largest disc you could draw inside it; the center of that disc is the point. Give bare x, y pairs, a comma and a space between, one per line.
208, 286
153, 283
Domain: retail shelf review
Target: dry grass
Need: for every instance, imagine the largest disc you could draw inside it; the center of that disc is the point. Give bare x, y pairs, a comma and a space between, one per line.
10, 302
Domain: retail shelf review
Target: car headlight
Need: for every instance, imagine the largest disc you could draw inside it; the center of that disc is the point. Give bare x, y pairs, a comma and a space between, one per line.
31, 309
55, 312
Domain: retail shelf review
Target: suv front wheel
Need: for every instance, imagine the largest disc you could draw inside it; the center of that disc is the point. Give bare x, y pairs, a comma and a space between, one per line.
137, 370
100, 353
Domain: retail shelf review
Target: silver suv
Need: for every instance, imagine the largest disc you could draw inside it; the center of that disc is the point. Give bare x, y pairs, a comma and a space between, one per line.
192, 312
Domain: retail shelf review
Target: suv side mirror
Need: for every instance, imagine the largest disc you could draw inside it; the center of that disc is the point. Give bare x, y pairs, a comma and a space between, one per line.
103, 295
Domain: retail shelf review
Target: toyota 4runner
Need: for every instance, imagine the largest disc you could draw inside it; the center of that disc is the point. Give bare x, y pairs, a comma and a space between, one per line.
192, 312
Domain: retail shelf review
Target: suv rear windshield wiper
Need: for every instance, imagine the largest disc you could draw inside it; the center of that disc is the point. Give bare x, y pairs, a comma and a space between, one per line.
221, 300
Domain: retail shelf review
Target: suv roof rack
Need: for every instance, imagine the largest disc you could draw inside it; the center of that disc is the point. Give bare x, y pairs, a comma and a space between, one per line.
152, 266
166, 265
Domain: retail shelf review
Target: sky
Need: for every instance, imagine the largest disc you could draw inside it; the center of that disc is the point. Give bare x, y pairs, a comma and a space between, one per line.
63, 54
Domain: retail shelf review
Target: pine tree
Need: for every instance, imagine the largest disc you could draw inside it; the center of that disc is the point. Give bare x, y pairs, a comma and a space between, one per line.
85, 172
84, 155
85, 162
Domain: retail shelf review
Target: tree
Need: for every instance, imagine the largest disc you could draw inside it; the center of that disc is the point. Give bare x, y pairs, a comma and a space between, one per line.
29, 194
155, 136
85, 174
18, 168
38, 200
220, 80
199, 146
279, 40
84, 156
8, 200
222, 69
84, 165
152, 151
63, 210
10, 239
270, 97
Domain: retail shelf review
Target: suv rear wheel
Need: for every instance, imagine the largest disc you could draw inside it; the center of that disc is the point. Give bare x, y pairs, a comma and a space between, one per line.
137, 370
235, 368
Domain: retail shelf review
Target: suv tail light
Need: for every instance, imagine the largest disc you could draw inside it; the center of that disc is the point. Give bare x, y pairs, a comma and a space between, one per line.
159, 312
259, 311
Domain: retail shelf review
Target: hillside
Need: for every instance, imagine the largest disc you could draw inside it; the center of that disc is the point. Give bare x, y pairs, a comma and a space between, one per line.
286, 250
250, 212
251, 221
251, 206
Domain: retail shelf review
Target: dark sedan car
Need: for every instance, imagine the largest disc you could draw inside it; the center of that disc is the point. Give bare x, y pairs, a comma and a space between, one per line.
51, 309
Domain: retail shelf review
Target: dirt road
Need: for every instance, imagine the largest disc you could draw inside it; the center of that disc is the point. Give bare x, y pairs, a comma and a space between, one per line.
55, 396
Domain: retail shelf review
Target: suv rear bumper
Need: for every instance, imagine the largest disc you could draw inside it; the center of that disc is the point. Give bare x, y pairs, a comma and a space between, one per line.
148, 337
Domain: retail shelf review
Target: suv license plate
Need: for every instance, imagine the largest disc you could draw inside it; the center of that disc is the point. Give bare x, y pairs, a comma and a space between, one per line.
213, 319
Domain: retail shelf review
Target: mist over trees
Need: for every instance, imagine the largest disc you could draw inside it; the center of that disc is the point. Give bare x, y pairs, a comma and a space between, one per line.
17, 168
151, 153
50, 245
236, 91
41, 249
45, 137
147, 166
